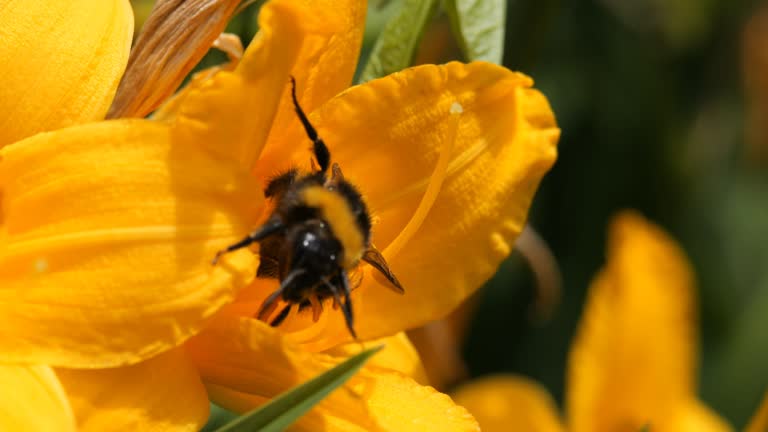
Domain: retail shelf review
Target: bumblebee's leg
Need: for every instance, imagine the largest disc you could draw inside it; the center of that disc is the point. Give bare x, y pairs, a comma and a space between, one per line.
266, 230
268, 306
270, 303
355, 277
322, 154
373, 257
317, 307
281, 316
346, 307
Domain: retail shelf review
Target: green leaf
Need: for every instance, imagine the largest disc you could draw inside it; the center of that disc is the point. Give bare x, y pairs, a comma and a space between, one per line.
479, 27
217, 418
396, 46
285, 409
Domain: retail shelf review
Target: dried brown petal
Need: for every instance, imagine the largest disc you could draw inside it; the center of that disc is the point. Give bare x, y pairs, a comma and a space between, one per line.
176, 36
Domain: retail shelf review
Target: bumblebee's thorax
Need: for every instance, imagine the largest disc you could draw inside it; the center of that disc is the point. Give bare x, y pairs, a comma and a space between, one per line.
313, 247
336, 215
329, 207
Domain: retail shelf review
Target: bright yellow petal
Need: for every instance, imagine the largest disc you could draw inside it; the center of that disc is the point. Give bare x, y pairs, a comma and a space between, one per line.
234, 110
163, 393
502, 403
692, 416
248, 356
239, 356
398, 354
634, 357
108, 234
324, 68
449, 192
62, 61
399, 404
759, 421
32, 399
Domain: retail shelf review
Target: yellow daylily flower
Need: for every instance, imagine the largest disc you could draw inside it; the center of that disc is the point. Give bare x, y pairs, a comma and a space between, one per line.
109, 228
633, 361
33, 399
61, 65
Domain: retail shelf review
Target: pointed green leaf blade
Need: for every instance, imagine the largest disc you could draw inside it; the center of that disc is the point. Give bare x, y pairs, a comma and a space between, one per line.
395, 48
285, 409
479, 27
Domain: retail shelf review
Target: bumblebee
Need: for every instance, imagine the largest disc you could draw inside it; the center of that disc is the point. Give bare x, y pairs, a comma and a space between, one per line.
318, 232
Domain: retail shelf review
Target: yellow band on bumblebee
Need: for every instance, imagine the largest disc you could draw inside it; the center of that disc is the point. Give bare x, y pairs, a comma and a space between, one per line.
336, 211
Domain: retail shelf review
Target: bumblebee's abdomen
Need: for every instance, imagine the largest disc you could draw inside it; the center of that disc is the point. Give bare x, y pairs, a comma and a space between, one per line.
336, 211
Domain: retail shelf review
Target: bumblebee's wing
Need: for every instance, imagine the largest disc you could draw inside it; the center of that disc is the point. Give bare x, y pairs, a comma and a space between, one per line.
373, 257
269, 257
336, 176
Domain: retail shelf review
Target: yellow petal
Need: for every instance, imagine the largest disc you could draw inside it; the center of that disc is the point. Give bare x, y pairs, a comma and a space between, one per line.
634, 358
324, 68
32, 399
248, 356
692, 416
108, 235
759, 421
163, 393
244, 357
62, 61
449, 192
502, 403
398, 354
234, 110
396, 404
399, 404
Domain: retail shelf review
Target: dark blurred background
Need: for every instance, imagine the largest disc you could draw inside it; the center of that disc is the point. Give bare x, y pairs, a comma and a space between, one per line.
653, 98
661, 105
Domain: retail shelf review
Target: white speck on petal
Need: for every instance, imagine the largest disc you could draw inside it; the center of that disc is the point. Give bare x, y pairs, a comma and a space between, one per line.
456, 108
41, 265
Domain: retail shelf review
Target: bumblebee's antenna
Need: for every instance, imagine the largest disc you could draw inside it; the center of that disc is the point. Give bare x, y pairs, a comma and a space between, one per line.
322, 154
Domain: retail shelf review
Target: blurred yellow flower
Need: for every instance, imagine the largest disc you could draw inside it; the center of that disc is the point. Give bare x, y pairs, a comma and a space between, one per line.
108, 228
759, 421
633, 362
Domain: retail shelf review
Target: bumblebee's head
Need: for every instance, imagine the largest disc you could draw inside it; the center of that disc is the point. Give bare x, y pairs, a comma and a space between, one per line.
314, 248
